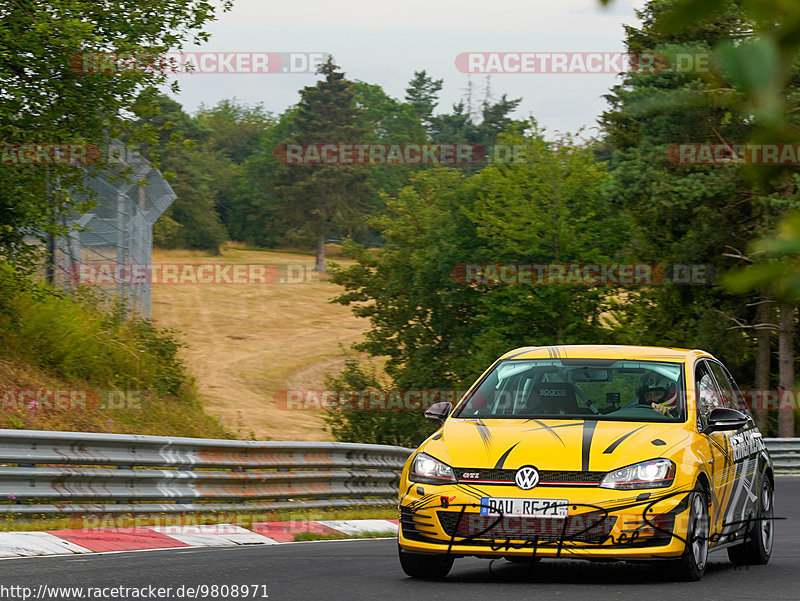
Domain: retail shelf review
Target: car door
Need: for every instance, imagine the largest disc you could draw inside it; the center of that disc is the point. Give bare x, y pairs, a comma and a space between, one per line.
744, 455
721, 468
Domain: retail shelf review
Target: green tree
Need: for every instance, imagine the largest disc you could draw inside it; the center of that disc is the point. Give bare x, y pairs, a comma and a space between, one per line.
682, 214
422, 94
46, 95
255, 216
385, 120
440, 332
317, 200
406, 428
552, 206
198, 175
421, 317
235, 132
235, 129
750, 95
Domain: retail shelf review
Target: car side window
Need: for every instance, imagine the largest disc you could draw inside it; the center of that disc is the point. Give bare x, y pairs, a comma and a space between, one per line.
725, 386
707, 394
739, 401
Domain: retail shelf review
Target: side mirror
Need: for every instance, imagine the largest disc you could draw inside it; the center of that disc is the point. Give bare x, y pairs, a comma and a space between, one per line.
438, 412
723, 419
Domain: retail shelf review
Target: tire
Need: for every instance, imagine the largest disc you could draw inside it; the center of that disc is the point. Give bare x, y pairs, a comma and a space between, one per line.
692, 564
757, 546
424, 566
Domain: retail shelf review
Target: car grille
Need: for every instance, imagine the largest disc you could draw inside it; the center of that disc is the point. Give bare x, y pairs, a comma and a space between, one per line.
505, 477
592, 528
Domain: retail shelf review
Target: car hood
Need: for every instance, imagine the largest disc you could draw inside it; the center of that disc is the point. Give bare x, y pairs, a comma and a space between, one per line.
552, 444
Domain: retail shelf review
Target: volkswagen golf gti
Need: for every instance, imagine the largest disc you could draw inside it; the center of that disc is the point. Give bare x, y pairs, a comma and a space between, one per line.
590, 452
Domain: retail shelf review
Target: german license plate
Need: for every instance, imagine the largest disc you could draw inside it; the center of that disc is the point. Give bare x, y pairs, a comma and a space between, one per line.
552, 508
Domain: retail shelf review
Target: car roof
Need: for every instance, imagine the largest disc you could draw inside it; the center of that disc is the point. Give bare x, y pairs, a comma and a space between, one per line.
606, 351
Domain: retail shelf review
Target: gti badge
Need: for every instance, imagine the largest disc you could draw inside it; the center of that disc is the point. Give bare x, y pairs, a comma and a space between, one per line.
527, 477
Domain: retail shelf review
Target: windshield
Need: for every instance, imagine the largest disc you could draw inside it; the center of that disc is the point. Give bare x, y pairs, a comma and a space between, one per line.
579, 389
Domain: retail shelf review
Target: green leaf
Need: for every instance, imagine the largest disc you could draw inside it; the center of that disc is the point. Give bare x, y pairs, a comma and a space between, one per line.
753, 65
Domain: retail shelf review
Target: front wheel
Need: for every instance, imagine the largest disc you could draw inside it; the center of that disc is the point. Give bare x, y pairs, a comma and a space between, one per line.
692, 565
757, 546
427, 567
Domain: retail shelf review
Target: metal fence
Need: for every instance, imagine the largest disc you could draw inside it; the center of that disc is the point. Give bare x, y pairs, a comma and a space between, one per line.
118, 231
785, 453
70, 472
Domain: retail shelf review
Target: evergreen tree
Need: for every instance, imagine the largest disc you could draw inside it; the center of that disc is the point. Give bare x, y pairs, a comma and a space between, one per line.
316, 200
422, 94
682, 214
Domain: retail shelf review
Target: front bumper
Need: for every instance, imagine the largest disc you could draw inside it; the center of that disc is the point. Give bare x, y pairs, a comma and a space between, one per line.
601, 523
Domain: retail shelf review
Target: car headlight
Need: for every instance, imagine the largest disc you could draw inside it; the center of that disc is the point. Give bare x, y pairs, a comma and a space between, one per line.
428, 470
656, 473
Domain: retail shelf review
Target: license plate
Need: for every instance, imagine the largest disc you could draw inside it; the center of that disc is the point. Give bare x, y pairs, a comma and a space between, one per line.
552, 508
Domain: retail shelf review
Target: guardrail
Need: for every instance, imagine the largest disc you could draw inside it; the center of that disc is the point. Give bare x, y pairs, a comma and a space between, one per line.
785, 453
74, 472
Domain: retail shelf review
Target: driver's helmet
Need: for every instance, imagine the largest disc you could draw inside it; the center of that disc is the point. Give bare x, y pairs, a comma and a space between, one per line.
658, 389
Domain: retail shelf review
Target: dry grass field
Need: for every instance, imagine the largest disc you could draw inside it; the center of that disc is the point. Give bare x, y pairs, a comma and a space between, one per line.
248, 341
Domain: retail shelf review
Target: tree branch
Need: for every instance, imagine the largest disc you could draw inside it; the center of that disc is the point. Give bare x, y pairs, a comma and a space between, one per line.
745, 326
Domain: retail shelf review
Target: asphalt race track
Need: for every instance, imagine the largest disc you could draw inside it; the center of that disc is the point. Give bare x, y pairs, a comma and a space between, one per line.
369, 570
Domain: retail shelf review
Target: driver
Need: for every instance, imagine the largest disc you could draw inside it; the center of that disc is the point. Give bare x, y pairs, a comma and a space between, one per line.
661, 399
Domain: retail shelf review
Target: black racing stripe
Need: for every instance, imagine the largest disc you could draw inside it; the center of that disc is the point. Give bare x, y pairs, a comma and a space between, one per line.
714, 494
551, 429
728, 452
423, 502
546, 427
502, 460
472, 491
613, 446
408, 490
486, 434
525, 352
614, 506
588, 432
543, 426
425, 499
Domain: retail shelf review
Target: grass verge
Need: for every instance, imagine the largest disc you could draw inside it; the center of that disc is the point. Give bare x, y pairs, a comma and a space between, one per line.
74, 363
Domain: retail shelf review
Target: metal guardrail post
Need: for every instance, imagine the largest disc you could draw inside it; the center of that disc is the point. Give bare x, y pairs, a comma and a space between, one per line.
79, 472
785, 453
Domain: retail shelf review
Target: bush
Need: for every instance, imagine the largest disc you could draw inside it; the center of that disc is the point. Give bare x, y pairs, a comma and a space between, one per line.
402, 428
77, 338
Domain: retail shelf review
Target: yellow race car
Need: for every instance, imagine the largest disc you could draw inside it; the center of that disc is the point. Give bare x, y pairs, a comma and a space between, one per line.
590, 452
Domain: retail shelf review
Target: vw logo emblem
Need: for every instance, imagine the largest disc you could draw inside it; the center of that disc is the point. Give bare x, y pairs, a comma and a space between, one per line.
527, 477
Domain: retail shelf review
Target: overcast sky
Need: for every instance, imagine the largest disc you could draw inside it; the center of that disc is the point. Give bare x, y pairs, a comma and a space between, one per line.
385, 42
